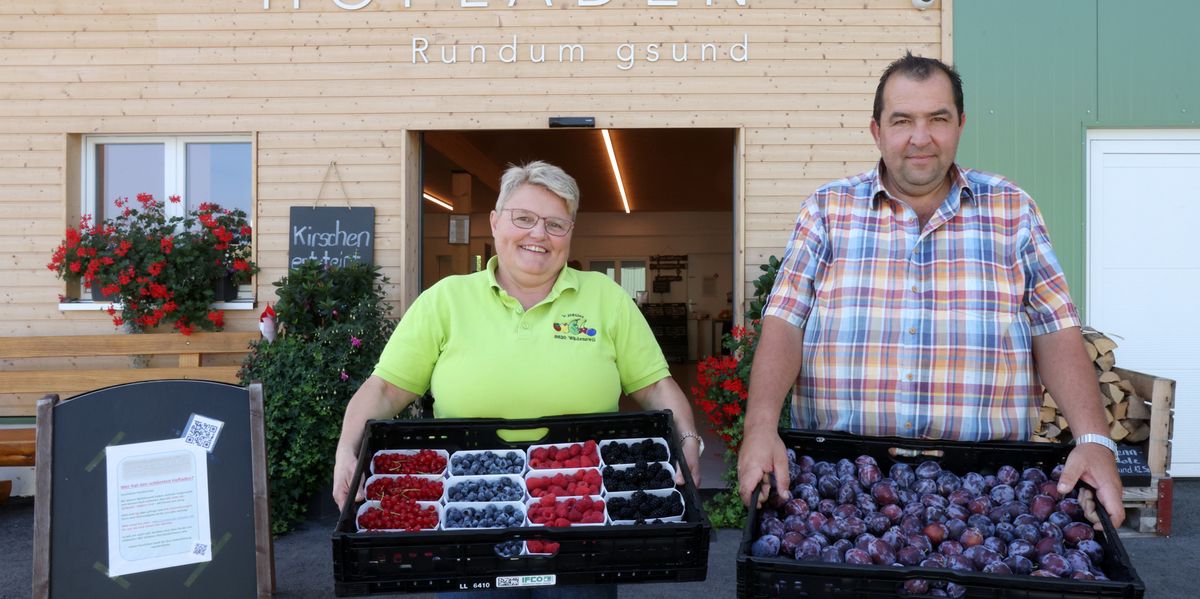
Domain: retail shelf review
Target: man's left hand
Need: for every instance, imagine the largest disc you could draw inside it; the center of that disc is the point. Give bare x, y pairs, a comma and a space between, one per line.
1095, 465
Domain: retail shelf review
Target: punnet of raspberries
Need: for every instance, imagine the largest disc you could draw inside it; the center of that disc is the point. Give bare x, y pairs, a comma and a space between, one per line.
577, 455
551, 511
425, 461
645, 450
585, 481
396, 513
405, 486
536, 546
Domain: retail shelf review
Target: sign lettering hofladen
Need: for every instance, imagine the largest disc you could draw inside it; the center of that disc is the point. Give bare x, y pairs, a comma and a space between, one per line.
424, 50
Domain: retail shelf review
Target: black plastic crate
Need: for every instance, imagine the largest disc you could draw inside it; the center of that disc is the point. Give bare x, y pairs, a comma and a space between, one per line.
788, 578
454, 560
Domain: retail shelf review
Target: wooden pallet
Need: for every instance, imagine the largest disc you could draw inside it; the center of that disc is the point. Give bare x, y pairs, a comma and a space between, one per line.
1148, 509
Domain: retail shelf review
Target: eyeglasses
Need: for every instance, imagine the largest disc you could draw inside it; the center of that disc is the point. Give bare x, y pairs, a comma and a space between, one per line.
524, 219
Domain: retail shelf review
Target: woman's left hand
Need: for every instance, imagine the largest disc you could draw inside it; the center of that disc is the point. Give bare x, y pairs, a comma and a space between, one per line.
665, 394
691, 452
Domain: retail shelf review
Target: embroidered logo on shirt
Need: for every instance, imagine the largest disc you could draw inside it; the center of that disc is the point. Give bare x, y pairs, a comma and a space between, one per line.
574, 327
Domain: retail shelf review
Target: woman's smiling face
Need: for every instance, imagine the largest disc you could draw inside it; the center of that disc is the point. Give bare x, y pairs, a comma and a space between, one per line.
531, 256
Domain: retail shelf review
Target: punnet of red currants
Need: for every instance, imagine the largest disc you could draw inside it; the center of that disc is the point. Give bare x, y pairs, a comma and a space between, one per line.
417, 488
425, 461
397, 513
1008, 521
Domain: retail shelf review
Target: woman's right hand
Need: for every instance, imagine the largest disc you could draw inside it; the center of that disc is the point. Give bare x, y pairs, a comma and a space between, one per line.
375, 399
343, 475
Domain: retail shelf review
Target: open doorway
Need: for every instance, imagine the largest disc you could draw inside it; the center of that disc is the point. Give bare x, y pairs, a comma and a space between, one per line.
669, 241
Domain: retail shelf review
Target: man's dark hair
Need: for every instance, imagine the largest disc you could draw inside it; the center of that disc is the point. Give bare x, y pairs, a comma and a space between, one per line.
918, 68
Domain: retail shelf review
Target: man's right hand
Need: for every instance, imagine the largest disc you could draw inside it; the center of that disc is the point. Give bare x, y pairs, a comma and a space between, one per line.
762, 455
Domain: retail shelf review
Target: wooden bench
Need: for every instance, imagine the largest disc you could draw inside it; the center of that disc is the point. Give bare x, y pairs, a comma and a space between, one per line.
21, 387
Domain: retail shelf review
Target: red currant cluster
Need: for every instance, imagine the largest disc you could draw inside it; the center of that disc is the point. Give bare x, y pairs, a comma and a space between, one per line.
425, 461
408, 487
541, 546
578, 455
580, 482
552, 512
396, 513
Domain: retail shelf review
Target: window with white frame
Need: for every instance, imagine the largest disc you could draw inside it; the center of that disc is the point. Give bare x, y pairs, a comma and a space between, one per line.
199, 168
629, 274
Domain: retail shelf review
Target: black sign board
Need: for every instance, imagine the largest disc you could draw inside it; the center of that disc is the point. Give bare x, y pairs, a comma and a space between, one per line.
71, 546
1132, 465
333, 236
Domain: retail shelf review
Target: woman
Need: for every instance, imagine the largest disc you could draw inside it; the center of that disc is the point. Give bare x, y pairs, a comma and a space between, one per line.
525, 338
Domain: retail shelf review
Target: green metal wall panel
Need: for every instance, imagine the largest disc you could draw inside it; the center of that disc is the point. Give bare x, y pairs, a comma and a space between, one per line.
1029, 79
1150, 63
1037, 75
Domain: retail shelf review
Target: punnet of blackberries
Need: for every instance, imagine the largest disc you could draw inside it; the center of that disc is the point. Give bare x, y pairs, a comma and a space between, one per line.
1008, 521
623, 452
642, 507
638, 477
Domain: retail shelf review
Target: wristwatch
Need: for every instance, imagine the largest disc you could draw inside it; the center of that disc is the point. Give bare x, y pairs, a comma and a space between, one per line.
1097, 439
696, 436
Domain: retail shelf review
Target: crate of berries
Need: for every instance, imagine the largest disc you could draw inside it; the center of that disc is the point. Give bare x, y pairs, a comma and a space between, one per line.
454, 504
891, 517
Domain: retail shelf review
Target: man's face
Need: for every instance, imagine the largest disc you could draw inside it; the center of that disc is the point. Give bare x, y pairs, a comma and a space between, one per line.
917, 133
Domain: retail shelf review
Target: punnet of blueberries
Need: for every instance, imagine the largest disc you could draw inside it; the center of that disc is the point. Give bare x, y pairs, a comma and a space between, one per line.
508, 548
620, 452
487, 462
490, 516
638, 477
1008, 521
500, 489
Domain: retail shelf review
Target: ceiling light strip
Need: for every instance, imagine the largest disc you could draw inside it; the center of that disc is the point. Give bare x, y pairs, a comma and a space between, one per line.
612, 157
439, 202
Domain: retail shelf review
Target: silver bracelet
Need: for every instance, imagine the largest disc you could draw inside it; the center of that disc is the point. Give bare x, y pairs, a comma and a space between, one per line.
690, 435
1097, 439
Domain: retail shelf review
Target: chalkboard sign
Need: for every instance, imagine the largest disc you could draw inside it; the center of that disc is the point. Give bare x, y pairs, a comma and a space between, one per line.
333, 236
77, 441
1132, 466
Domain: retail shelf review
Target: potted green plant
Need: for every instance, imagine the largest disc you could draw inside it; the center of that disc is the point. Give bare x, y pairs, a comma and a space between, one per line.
332, 324
157, 269
721, 392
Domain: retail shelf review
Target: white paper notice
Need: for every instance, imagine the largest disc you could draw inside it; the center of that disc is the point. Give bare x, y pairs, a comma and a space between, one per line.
157, 506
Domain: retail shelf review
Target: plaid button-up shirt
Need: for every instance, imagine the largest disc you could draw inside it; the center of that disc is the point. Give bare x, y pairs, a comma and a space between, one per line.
920, 332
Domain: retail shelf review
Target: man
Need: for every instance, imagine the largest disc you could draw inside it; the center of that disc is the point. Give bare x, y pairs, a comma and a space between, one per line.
922, 299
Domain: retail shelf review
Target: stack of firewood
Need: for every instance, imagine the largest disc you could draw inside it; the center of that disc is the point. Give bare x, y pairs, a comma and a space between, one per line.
1128, 415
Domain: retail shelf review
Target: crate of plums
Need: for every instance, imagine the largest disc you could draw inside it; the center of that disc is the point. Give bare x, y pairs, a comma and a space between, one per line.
875, 517
454, 505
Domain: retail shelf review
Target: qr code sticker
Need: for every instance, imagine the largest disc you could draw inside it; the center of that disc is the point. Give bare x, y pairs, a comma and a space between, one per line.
202, 432
200, 549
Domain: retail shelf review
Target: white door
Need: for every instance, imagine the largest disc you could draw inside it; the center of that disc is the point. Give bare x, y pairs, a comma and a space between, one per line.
1143, 191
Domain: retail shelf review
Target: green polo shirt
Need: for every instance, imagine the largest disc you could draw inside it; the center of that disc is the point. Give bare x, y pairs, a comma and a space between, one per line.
485, 356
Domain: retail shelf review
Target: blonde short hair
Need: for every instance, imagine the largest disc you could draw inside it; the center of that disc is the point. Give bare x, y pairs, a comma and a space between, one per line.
544, 175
